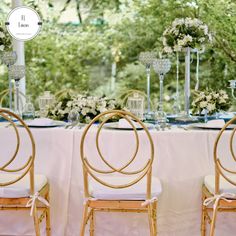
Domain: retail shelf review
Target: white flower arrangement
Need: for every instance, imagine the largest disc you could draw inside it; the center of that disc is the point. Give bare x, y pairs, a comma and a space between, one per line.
185, 32
5, 41
86, 106
211, 101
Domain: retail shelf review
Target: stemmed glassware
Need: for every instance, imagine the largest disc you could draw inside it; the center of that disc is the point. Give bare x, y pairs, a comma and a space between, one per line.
147, 58
9, 58
161, 67
17, 72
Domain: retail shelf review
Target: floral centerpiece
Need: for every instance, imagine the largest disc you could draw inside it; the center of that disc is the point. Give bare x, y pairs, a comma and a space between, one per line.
185, 32
87, 107
5, 40
211, 101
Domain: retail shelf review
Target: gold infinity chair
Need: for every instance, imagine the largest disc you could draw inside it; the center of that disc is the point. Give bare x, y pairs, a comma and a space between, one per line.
118, 189
20, 188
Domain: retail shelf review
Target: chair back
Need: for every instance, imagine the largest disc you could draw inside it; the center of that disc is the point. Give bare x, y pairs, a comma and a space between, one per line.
221, 169
4, 95
11, 166
126, 169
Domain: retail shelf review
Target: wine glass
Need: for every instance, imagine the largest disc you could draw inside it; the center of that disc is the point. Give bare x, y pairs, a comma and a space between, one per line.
161, 67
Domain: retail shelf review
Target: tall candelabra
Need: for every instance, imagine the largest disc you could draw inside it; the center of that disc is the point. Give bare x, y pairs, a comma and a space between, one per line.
161, 67
9, 58
147, 58
17, 72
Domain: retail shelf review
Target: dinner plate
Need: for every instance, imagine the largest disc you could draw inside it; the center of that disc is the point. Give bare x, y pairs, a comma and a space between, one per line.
205, 126
53, 124
115, 125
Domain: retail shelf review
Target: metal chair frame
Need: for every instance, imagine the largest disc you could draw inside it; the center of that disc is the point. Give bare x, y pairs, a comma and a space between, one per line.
93, 205
27, 168
220, 172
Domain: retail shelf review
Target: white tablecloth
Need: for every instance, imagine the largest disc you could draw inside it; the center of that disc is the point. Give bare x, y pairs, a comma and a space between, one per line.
182, 159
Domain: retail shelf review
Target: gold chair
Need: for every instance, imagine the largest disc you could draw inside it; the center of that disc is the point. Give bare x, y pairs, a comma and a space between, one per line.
219, 190
119, 189
20, 188
5, 93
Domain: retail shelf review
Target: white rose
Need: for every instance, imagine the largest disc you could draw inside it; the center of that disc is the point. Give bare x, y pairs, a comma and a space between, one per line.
177, 48
222, 100
168, 49
211, 107
203, 104
188, 38
208, 98
225, 96
181, 42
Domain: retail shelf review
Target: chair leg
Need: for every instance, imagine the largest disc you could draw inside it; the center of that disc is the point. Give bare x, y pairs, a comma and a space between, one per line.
203, 221
213, 222
150, 220
92, 223
154, 218
83, 223
36, 222
48, 220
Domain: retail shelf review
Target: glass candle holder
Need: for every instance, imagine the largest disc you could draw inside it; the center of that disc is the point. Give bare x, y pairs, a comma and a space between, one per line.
9, 58
161, 67
17, 72
147, 58
45, 102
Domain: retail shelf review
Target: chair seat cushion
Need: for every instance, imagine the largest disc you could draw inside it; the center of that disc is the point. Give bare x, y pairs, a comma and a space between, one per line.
225, 186
135, 192
22, 187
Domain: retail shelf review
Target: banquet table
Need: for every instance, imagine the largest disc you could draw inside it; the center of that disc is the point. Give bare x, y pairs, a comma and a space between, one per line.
182, 159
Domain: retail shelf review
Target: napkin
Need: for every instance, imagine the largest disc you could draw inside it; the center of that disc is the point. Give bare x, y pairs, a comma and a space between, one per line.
123, 123
215, 123
41, 122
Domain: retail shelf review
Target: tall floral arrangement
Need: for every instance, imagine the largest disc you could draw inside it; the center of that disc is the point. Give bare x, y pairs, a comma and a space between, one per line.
86, 106
212, 101
5, 40
185, 32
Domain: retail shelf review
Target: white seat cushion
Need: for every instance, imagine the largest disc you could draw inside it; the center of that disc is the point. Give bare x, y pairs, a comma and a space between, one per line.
225, 186
22, 187
135, 192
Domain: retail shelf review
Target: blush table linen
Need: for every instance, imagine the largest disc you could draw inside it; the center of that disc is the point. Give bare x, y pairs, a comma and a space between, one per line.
182, 159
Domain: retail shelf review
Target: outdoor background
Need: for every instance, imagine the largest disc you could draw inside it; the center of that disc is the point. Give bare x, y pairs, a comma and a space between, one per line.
81, 39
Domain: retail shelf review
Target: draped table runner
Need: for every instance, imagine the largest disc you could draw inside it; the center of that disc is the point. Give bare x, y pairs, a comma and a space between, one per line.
182, 159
